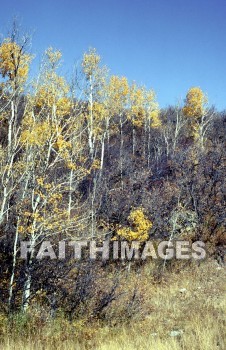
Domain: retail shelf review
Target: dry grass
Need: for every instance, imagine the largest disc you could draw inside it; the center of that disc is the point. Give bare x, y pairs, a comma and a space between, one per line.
191, 302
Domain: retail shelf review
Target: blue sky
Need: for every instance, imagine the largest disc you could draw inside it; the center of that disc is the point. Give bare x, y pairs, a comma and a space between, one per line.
169, 45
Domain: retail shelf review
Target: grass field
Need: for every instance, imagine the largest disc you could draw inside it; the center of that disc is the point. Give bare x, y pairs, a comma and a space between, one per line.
185, 311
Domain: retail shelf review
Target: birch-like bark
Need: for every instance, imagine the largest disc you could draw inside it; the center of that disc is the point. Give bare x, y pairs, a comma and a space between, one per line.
70, 193
14, 266
90, 124
121, 149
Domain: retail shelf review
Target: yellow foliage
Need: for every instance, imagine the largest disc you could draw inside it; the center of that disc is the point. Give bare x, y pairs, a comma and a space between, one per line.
195, 103
35, 134
141, 226
96, 164
118, 93
90, 62
71, 165
144, 108
194, 109
99, 115
119, 87
137, 99
44, 97
63, 106
99, 111
155, 120
40, 181
55, 198
61, 144
14, 64
53, 92
53, 56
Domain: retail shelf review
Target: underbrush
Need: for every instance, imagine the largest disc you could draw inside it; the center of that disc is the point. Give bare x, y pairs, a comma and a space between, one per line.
185, 310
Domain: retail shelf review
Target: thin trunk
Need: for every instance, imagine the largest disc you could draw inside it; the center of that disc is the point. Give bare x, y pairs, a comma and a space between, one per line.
13, 267
10, 127
176, 133
2, 212
134, 139
93, 224
27, 290
27, 285
70, 194
90, 137
166, 142
121, 148
102, 154
144, 138
149, 143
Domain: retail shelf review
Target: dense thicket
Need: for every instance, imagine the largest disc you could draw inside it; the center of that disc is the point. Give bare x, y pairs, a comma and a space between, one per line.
90, 159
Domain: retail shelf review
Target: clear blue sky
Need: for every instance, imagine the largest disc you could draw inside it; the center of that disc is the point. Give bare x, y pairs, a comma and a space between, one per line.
169, 45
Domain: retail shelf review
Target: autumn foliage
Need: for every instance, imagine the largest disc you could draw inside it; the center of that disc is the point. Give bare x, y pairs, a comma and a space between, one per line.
97, 157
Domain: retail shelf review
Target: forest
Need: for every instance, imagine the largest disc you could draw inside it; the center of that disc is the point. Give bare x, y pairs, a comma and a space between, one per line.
94, 156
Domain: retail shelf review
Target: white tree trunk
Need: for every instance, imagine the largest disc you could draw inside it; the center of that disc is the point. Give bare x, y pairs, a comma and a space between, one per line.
13, 267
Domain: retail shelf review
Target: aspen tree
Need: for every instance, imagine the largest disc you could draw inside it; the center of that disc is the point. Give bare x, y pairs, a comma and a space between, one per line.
14, 68
198, 115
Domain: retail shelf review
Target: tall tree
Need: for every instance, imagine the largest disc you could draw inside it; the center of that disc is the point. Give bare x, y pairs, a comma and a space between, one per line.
198, 114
